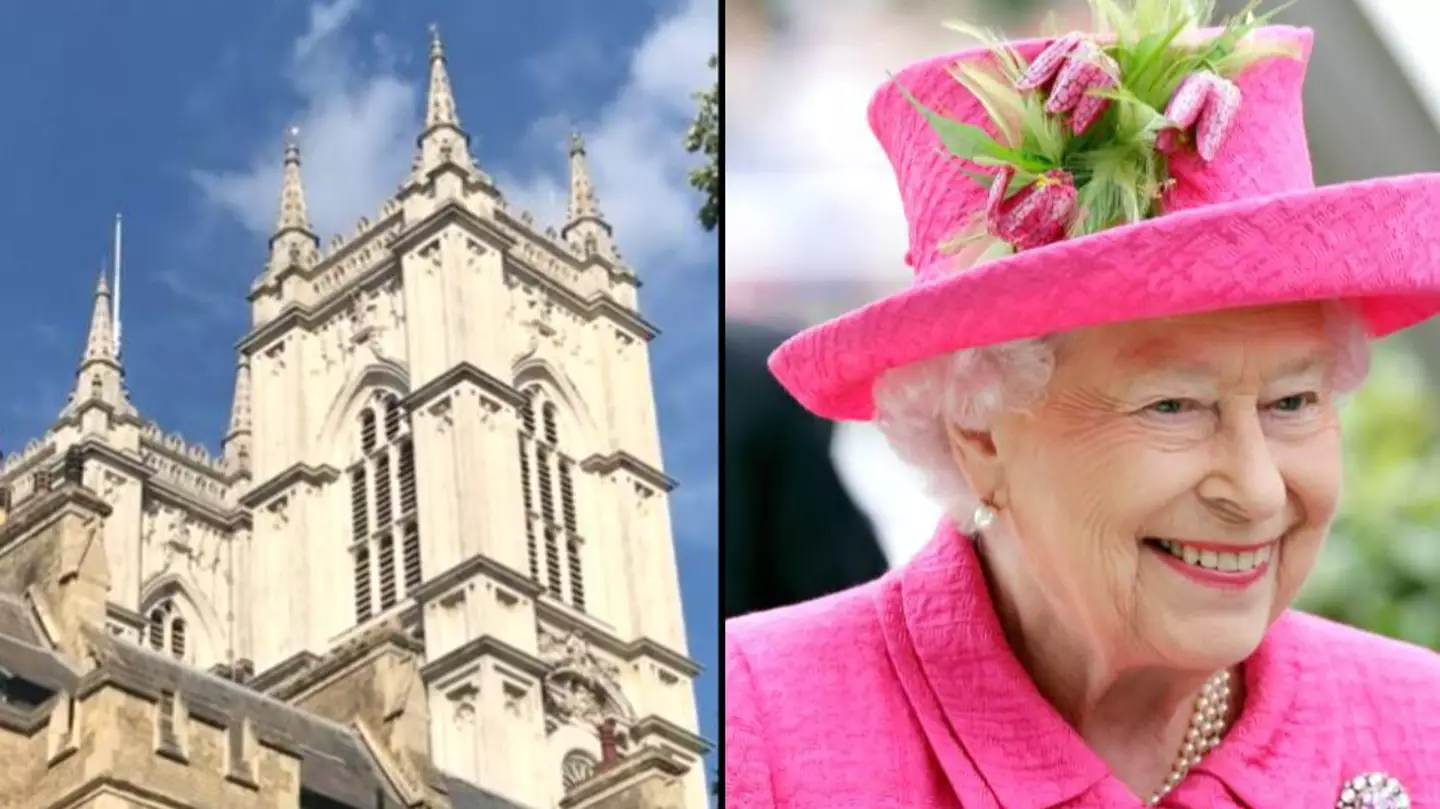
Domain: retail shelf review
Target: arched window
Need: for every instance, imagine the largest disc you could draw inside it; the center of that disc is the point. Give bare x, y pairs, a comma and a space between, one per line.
383, 507
552, 526
576, 767
165, 629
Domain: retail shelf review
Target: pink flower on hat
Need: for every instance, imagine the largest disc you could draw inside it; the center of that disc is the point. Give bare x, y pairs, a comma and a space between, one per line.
1207, 102
1037, 215
1078, 66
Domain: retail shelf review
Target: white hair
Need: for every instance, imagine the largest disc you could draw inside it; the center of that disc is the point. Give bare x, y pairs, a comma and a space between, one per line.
916, 403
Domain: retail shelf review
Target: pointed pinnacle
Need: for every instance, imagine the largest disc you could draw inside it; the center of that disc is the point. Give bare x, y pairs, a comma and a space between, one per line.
439, 101
240, 407
100, 342
294, 214
583, 203
437, 48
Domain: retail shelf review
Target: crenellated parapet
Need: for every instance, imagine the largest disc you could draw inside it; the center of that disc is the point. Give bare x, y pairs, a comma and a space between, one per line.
543, 249
18, 463
185, 465
346, 258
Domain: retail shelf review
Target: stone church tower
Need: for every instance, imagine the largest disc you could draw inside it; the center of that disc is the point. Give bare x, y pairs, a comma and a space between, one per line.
440, 486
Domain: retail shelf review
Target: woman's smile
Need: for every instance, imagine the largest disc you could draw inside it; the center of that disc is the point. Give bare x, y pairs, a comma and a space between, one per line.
1215, 564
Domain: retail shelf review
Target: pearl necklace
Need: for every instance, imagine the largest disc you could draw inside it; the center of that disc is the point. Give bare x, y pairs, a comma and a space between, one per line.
1207, 725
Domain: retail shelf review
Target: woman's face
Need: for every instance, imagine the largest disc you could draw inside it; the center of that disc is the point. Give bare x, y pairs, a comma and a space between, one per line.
1170, 493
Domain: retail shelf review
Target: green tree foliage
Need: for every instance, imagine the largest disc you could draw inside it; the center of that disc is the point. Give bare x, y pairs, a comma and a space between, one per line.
1380, 569
703, 138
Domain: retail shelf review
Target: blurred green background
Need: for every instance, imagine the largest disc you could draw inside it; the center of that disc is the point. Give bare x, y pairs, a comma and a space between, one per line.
1381, 565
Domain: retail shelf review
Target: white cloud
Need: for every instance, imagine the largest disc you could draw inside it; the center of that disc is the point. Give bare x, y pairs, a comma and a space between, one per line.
357, 128
637, 161
324, 21
357, 131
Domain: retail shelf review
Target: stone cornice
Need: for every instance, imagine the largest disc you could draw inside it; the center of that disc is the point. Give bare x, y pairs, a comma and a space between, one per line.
463, 372
453, 211
222, 518
449, 212
628, 771
669, 731
298, 314
647, 647
437, 586
625, 316
580, 263
38, 511
25, 721
73, 412
281, 672
566, 620
294, 474
218, 515
620, 459
129, 463
124, 615
485, 645
368, 644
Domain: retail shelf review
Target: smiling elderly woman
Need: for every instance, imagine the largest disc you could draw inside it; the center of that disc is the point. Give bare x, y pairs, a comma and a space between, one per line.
1127, 401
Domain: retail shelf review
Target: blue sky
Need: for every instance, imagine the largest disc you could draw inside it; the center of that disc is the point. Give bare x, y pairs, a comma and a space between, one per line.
176, 118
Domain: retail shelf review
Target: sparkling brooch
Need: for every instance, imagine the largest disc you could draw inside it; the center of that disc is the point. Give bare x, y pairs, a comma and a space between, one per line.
1373, 790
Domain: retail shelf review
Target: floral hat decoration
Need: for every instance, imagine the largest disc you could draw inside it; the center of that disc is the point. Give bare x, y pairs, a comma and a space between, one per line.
1153, 168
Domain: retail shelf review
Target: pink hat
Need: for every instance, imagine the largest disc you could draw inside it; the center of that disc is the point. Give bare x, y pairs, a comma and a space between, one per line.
1234, 220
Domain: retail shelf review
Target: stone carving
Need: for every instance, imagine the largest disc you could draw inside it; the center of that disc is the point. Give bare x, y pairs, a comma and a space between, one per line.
489, 410
279, 514
363, 315
396, 302
110, 486
580, 685
443, 412
515, 699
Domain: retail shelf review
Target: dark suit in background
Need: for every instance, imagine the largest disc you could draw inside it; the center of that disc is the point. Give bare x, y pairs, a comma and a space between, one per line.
791, 531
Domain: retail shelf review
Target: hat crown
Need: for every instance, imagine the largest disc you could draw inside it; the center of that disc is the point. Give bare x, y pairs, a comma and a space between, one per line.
1265, 153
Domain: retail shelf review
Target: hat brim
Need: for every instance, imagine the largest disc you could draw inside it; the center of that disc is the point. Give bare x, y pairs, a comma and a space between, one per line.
1372, 242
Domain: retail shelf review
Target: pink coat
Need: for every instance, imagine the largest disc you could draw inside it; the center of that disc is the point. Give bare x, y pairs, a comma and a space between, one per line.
903, 693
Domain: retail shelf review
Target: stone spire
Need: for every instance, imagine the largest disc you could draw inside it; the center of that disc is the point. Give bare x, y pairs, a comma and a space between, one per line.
440, 101
101, 378
442, 141
236, 446
100, 344
585, 227
293, 242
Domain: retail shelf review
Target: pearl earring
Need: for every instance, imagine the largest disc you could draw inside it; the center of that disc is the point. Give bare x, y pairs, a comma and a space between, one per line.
984, 516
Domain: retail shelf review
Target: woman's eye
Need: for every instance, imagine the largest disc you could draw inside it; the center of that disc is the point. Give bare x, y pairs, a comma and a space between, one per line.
1170, 407
1294, 403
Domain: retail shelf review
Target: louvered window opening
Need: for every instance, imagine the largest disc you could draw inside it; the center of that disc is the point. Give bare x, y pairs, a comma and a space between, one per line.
528, 501
546, 474
386, 468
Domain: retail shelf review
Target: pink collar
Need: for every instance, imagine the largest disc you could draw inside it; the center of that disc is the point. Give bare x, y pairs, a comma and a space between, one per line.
992, 731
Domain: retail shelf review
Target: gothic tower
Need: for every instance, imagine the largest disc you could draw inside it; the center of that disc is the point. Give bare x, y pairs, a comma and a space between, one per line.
442, 436
452, 425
